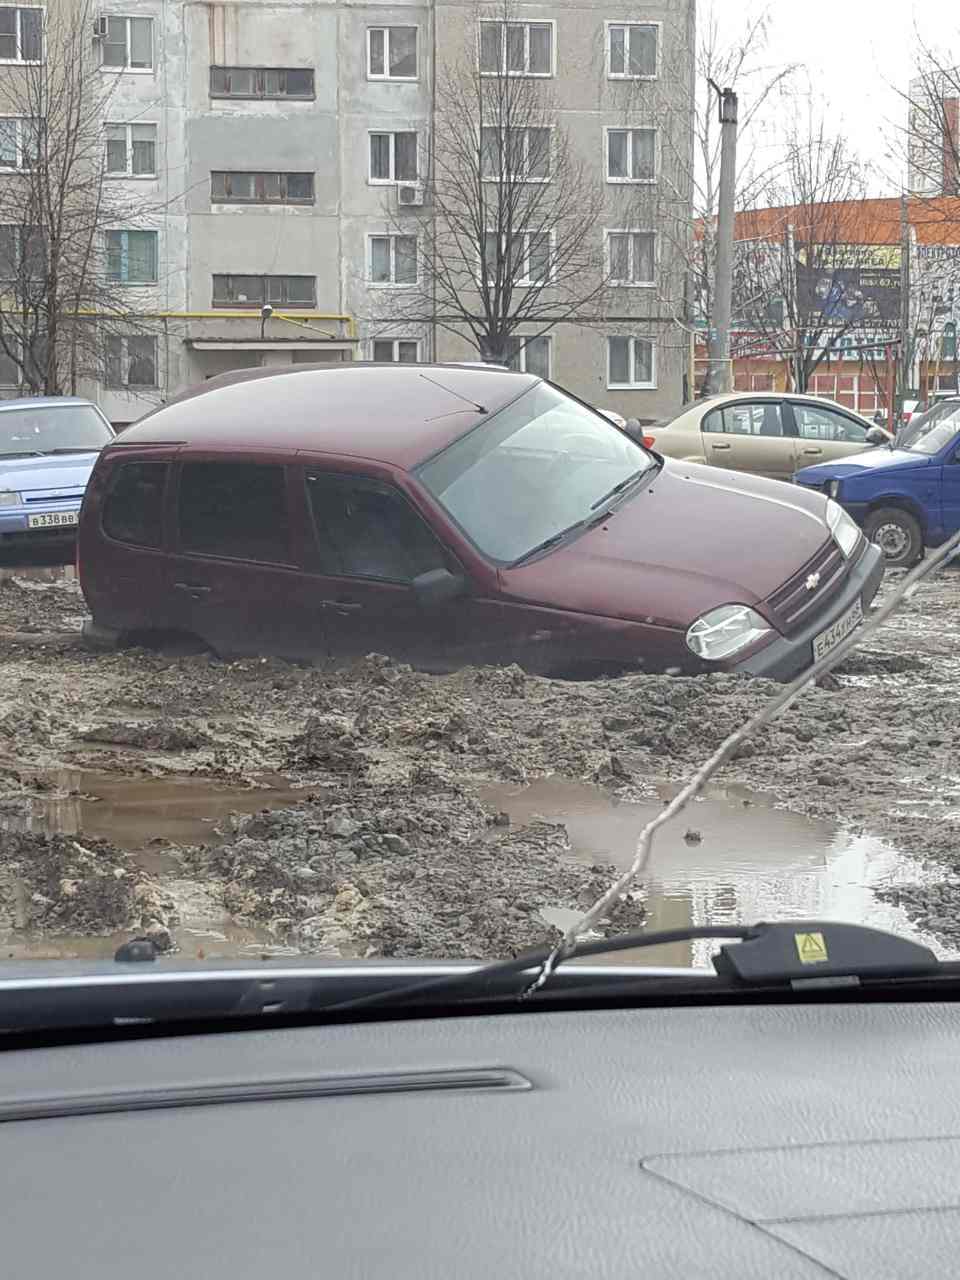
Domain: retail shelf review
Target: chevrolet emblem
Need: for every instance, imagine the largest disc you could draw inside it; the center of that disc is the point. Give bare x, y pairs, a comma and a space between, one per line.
813, 581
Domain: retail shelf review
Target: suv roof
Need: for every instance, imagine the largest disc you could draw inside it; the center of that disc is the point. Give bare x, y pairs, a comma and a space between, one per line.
396, 413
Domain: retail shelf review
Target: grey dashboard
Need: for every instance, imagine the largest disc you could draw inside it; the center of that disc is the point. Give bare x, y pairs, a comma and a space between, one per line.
788, 1141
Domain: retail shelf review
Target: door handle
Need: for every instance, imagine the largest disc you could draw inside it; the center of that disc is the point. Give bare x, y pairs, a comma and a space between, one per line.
720, 446
812, 452
341, 606
192, 588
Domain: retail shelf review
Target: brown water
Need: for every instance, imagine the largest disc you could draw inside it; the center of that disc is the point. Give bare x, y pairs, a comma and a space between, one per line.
751, 862
143, 815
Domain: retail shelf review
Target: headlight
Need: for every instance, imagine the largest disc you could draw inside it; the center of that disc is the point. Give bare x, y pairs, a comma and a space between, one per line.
724, 631
833, 488
846, 532
8, 499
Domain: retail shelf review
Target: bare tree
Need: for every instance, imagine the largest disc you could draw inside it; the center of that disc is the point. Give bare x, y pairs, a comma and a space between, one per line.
507, 236
67, 229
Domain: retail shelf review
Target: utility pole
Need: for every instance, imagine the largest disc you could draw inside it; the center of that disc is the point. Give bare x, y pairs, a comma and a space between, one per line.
719, 377
906, 346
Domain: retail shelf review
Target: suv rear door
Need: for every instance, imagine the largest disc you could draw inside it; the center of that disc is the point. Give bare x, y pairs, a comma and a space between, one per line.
235, 574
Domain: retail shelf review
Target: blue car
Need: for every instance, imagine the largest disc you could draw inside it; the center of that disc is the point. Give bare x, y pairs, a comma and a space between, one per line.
48, 445
906, 496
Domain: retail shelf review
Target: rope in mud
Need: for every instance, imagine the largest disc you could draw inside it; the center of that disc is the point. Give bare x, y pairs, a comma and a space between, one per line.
767, 713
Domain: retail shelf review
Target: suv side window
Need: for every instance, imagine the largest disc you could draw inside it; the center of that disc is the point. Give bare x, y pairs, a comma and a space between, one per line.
366, 529
133, 510
825, 425
235, 509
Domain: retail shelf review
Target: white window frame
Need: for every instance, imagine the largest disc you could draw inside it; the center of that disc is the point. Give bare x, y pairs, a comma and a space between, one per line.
633, 385
392, 283
127, 283
631, 231
20, 121
385, 75
391, 181
124, 383
519, 177
395, 359
20, 60
631, 128
522, 353
626, 23
525, 281
126, 69
128, 125
526, 73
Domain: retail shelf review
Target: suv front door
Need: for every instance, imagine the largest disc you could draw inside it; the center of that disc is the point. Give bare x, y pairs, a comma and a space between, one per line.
749, 435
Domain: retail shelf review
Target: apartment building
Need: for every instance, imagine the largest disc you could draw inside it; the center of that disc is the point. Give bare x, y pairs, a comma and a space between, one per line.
281, 152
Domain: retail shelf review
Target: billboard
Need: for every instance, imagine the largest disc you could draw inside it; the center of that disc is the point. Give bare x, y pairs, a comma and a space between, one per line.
851, 283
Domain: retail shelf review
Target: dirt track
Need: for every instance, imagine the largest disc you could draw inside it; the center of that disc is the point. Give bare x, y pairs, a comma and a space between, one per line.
390, 851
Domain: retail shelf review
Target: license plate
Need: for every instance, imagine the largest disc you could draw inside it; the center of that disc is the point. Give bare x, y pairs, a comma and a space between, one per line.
837, 631
51, 519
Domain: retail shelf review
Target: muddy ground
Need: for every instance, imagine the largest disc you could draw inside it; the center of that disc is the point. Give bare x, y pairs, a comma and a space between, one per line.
381, 845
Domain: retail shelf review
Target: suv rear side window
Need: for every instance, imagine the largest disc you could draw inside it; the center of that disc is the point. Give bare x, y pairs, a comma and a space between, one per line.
235, 509
366, 529
133, 511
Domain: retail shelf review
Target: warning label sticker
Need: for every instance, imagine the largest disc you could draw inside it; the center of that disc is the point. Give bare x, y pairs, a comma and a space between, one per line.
811, 948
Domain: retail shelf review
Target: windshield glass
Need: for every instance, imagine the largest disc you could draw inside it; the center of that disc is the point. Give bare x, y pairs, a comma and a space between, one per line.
929, 432
48, 429
532, 471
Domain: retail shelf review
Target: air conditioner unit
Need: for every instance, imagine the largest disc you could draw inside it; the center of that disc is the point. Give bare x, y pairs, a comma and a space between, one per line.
100, 28
410, 194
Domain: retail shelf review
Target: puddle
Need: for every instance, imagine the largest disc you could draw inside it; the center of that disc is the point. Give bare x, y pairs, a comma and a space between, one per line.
141, 815
752, 862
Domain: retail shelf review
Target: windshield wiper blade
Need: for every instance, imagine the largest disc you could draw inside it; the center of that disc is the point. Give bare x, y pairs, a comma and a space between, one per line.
547, 543
792, 953
628, 483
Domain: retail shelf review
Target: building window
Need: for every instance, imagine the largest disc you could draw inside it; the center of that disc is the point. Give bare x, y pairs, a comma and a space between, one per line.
131, 362
632, 50
516, 48
23, 256
631, 257
10, 373
519, 155
132, 257
393, 157
948, 344
631, 155
254, 291
396, 350
261, 188
261, 82
631, 363
524, 259
393, 260
128, 44
21, 35
530, 355
392, 53
21, 140
132, 150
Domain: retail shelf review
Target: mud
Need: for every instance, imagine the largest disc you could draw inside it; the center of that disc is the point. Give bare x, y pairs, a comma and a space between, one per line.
395, 846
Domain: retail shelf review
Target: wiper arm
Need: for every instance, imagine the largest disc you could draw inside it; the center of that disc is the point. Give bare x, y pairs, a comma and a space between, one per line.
547, 543
795, 953
628, 483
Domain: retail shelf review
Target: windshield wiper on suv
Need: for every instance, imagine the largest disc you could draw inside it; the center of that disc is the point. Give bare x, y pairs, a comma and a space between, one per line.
624, 485
547, 543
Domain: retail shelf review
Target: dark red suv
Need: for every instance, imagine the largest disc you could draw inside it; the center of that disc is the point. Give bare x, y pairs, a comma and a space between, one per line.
449, 514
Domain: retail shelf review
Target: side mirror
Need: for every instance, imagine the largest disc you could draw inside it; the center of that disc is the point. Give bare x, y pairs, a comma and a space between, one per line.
438, 586
877, 435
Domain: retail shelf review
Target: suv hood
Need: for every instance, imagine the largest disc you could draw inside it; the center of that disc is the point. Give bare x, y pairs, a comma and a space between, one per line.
689, 540
59, 471
877, 459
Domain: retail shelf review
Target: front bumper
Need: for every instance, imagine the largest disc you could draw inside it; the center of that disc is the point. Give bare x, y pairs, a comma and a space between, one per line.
785, 657
15, 521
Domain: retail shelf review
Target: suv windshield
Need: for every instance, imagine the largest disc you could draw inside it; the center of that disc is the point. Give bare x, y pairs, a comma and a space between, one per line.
931, 430
52, 429
532, 471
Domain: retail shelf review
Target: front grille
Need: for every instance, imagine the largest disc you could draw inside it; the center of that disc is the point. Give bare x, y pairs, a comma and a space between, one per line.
794, 604
50, 498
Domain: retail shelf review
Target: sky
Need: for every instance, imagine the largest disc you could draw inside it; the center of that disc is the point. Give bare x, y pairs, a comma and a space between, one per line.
856, 55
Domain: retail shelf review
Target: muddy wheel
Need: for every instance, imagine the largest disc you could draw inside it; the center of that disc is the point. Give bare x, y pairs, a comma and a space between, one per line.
897, 534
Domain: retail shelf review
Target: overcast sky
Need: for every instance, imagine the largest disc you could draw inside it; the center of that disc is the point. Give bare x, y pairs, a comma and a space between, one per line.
856, 53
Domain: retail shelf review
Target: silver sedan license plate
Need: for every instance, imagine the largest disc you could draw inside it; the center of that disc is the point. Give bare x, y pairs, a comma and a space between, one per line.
51, 519
837, 631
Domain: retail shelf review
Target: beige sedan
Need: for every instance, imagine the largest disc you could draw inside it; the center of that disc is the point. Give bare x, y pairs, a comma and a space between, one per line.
768, 433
